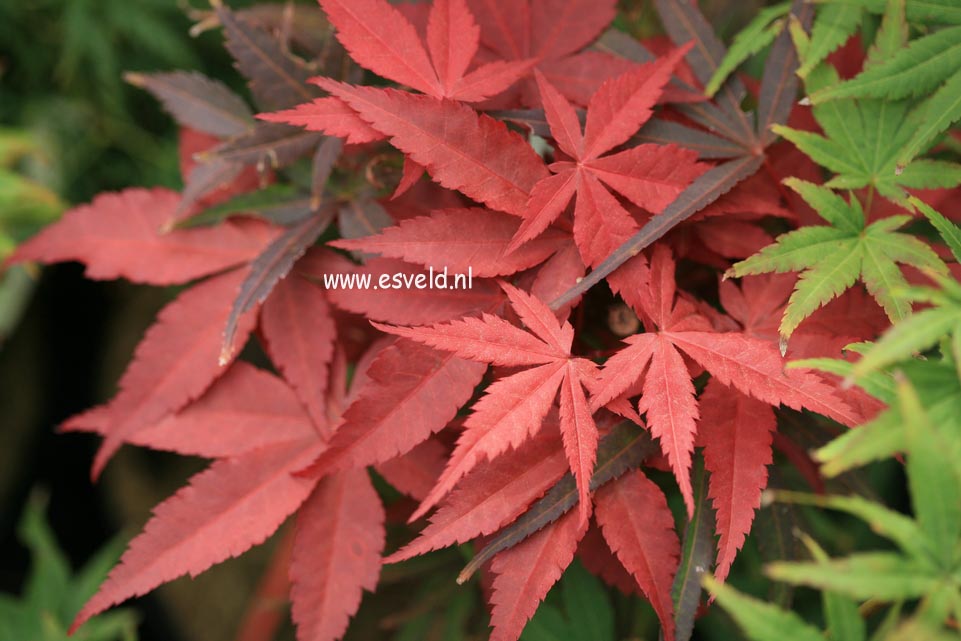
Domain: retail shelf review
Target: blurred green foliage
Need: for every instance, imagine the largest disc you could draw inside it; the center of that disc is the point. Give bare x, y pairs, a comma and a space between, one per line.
52, 594
61, 63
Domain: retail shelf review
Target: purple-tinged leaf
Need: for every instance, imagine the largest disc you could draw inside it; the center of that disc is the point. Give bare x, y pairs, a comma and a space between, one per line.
272, 265
204, 178
362, 217
304, 26
780, 82
328, 151
697, 557
665, 132
279, 204
277, 79
716, 120
197, 102
270, 145
684, 22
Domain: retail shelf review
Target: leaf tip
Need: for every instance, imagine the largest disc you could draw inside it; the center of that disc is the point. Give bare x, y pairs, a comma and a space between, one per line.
226, 353
136, 79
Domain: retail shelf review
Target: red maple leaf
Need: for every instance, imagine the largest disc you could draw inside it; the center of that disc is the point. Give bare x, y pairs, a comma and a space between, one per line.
750, 365
736, 432
524, 574
514, 407
649, 175
553, 33
381, 39
639, 528
119, 235
260, 435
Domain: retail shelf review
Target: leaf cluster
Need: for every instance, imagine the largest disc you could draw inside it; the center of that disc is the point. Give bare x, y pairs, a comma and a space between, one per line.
520, 142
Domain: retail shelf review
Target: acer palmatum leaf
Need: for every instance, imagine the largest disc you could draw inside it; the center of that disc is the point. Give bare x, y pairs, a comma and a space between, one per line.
276, 78
271, 266
488, 339
672, 412
622, 104
491, 496
622, 449
243, 410
415, 472
412, 391
514, 407
197, 101
233, 505
553, 34
651, 176
751, 365
460, 239
380, 38
524, 574
452, 39
118, 235
579, 431
299, 335
176, 361
511, 411
638, 526
330, 115
336, 555
461, 149
377, 36
736, 432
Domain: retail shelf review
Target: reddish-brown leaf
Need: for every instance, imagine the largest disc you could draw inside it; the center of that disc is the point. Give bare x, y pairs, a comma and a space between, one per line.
330, 115
118, 235
580, 435
513, 407
379, 37
460, 240
412, 392
668, 399
736, 434
524, 574
623, 104
511, 411
245, 409
233, 505
299, 335
176, 361
452, 39
462, 150
639, 528
491, 496
336, 555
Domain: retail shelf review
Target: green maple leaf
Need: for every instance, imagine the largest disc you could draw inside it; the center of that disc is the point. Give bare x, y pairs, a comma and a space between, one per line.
864, 145
833, 258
